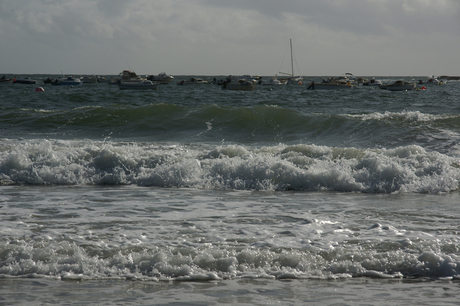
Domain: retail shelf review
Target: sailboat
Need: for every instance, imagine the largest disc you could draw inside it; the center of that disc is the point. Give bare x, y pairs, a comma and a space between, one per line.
292, 79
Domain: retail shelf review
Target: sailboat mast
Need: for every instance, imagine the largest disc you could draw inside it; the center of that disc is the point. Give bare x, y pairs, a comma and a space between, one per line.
292, 61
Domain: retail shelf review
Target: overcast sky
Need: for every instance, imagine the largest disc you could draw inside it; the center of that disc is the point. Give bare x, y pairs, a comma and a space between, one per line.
215, 37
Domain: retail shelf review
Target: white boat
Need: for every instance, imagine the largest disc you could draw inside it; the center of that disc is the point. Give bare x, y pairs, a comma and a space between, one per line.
130, 80
162, 78
349, 77
248, 78
127, 75
192, 81
24, 80
373, 82
124, 76
399, 85
331, 84
241, 84
68, 81
292, 79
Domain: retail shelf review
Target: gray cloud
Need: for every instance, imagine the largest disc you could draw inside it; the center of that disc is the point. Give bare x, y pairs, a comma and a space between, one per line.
230, 37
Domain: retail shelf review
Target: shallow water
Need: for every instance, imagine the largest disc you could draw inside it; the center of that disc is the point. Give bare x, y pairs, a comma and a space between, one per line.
362, 291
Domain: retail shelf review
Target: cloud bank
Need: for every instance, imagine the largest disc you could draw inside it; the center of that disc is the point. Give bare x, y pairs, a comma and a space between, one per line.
209, 37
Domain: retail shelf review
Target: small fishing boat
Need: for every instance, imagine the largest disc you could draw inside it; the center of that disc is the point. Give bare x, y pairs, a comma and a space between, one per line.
130, 80
4, 80
430, 81
330, 84
24, 80
47, 81
242, 84
192, 81
162, 78
68, 81
137, 85
89, 80
399, 85
124, 76
373, 82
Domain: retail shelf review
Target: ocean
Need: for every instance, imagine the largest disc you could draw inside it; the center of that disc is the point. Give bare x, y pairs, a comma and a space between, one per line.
195, 195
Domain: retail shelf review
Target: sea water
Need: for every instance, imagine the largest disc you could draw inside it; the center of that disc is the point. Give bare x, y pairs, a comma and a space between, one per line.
201, 196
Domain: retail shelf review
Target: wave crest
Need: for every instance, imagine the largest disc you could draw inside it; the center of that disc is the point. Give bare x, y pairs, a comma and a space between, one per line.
298, 167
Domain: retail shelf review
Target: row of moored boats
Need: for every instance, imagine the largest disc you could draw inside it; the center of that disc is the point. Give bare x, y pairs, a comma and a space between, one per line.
348, 83
130, 80
126, 80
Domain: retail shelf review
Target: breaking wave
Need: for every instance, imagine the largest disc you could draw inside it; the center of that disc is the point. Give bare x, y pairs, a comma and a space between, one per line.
283, 167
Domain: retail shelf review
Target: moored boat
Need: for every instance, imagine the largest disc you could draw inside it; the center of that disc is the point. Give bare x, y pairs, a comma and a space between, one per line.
192, 81
430, 81
241, 84
24, 80
127, 75
130, 80
4, 80
373, 82
123, 76
330, 84
162, 78
292, 79
399, 85
89, 80
47, 81
68, 81
295, 80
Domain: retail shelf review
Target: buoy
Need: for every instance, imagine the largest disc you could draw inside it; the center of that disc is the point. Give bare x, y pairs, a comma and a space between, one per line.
423, 88
39, 89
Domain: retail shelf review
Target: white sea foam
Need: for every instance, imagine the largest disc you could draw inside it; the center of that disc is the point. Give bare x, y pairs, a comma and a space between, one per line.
70, 261
297, 167
162, 234
406, 116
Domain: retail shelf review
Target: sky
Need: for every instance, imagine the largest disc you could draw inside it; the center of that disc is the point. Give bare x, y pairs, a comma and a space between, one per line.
223, 37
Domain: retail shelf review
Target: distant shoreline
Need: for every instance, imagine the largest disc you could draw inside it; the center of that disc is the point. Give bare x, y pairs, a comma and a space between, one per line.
455, 78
